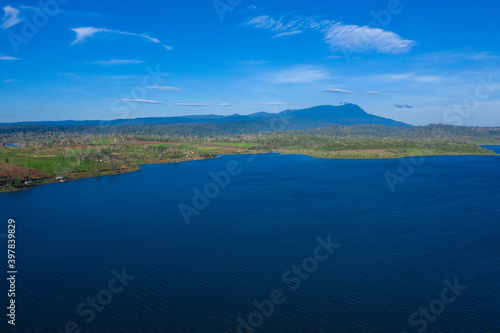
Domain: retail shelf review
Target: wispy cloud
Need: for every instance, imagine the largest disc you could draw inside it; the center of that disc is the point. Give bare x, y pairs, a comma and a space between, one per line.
481, 56
254, 62
84, 33
406, 106
189, 104
354, 38
288, 33
456, 56
163, 88
285, 27
87, 32
144, 101
372, 92
275, 103
9, 80
296, 74
6, 57
11, 17
394, 77
225, 104
116, 62
334, 57
340, 91
339, 36
11, 14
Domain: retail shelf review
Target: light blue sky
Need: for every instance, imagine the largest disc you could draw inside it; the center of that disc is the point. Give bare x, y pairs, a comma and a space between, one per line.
417, 61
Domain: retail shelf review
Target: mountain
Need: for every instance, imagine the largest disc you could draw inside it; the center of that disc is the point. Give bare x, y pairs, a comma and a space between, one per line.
347, 114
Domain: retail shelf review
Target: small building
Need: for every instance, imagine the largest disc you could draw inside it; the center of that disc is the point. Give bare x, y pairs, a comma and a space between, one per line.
60, 178
28, 182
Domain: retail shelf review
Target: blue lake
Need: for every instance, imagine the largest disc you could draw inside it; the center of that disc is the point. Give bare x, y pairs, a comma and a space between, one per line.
403, 227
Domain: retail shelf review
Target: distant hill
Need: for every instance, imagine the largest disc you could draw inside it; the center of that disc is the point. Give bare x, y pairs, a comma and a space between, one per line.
325, 115
348, 114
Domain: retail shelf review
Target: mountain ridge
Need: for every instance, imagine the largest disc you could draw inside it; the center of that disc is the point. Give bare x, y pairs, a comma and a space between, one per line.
347, 114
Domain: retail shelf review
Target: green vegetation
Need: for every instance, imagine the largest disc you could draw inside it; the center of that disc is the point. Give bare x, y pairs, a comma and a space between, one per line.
44, 153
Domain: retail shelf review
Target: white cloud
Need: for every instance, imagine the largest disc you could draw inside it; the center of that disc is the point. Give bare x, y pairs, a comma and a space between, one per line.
372, 92
6, 57
283, 27
394, 77
11, 17
225, 104
144, 101
274, 103
339, 36
87, 32
9, 80
163, 88
361, 39
481, 56
340, 91
189, 104
268, 23
116, 62
427, 78
455, 56
298, 74
169, 48
84, 33
288, 33
334, 57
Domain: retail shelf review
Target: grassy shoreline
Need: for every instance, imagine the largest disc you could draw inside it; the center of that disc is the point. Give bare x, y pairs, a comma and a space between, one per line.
73, 163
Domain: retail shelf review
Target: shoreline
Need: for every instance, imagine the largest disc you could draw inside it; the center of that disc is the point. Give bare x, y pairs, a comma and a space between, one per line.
123, 171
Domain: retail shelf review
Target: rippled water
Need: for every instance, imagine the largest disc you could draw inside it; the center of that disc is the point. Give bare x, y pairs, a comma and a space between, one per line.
442, 221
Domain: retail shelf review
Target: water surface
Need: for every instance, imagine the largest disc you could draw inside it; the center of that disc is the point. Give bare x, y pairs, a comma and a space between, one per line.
396, 247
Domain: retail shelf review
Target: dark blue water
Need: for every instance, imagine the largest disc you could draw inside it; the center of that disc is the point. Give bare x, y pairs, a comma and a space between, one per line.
440, 221
495, 148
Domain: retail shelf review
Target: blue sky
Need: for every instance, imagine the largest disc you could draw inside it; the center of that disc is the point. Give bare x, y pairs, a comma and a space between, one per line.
417, 61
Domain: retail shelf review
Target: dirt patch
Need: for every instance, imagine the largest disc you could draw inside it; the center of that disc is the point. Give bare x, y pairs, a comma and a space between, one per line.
138, 143
362, 151
11, 172
80, 146
131, 143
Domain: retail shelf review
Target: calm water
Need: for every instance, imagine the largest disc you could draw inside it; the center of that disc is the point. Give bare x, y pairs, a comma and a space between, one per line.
442, 221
